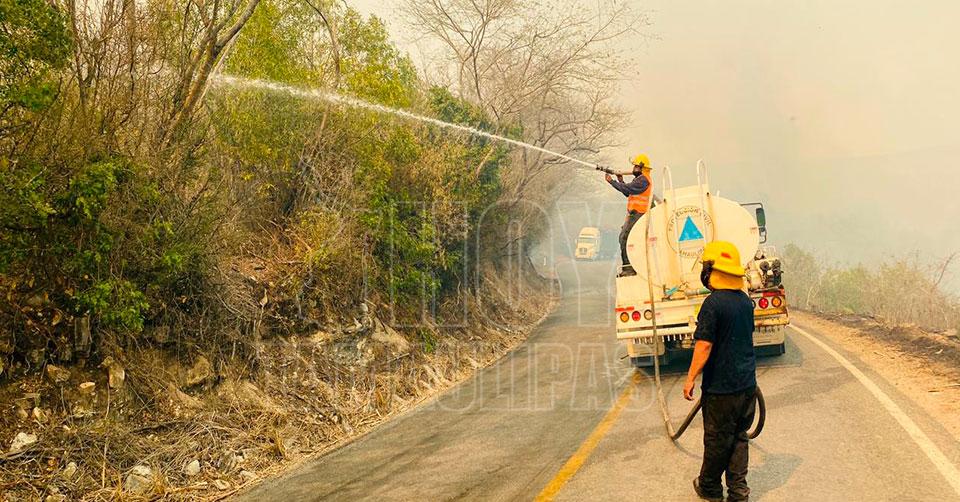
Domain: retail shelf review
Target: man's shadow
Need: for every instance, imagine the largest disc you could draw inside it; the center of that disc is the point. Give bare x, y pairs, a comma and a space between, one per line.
773, 473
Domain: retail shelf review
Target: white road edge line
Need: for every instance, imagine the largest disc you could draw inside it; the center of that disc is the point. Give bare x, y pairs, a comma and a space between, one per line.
943, 464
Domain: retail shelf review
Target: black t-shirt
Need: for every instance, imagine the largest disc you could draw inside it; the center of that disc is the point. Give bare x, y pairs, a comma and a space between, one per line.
726, 321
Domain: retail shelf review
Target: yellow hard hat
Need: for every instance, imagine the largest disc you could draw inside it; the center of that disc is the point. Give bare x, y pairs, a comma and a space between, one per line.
641, 159
725, 257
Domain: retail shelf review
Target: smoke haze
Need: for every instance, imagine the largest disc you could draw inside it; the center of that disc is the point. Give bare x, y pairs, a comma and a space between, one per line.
837, 115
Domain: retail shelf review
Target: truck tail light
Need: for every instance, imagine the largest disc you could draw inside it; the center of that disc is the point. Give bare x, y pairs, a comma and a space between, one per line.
777, 302
763, 303
636, 315
648, 314
624, 317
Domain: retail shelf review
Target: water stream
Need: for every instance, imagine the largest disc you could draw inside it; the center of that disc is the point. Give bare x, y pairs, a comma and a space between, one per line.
338, 99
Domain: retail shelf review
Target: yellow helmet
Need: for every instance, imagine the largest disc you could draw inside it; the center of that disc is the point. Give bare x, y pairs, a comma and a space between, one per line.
641, 160
725, 257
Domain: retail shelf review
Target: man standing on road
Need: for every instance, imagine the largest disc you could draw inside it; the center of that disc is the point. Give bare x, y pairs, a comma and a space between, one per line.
638, 192
724, 353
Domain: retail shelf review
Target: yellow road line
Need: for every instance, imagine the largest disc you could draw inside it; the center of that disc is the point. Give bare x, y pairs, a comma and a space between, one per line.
586, 448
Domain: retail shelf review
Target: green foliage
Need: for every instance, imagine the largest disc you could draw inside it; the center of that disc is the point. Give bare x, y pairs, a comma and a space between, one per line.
847, 290
406, 244
272, 46
428, 340
418, 188
118, 304
430, 190
90, 188
452, 109
373, 68
33, 42
96, 240
100, 221
491, 157
84, 242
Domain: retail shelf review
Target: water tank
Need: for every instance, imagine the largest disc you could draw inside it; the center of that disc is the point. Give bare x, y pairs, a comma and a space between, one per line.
680, 227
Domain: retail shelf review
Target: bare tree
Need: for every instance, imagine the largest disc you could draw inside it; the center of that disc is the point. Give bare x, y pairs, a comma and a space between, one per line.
220, 23
545, 73
549, 74
303, 189
467, 28
329, 23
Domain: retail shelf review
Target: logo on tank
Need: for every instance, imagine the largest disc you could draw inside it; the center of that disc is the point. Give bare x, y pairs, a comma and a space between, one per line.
694, 224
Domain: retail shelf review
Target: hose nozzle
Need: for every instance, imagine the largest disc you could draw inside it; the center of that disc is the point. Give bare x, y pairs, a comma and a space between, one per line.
610, 171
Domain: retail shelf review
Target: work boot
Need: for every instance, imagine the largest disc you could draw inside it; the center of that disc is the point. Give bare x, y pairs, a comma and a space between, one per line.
712, 496
627, 271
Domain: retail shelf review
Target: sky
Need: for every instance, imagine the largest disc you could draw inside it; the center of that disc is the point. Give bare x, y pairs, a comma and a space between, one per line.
841, 116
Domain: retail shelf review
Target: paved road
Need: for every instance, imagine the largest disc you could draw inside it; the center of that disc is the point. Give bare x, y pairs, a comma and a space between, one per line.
506, 434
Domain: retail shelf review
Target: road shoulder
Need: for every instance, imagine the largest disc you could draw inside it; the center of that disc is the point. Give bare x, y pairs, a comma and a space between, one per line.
907, 363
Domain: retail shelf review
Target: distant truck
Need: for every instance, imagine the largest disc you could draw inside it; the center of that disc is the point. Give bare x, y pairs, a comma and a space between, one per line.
672, 236
588, 244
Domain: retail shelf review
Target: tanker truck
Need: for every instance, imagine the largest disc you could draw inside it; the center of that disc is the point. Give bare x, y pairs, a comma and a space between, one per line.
664, 248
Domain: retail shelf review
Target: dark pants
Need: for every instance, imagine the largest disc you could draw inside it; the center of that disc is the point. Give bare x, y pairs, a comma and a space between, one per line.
628, 223
726, 419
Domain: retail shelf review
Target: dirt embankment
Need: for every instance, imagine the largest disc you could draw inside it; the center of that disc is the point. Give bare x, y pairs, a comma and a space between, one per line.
923, 364
153, 425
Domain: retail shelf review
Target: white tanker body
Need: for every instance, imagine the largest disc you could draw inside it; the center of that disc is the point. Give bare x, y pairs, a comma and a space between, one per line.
675, 232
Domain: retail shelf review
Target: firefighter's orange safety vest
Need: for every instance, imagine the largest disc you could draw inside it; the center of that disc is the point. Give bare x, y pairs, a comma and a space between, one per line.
641, 202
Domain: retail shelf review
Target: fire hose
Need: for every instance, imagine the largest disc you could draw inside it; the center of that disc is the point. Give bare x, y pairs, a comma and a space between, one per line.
657, 342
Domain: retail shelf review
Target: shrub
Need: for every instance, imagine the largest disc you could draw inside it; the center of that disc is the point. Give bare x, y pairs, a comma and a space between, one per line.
899, 291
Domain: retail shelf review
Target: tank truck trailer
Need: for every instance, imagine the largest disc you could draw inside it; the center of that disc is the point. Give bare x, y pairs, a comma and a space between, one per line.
665, 247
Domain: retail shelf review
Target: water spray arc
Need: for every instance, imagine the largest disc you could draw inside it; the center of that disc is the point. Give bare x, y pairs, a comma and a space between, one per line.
338, 99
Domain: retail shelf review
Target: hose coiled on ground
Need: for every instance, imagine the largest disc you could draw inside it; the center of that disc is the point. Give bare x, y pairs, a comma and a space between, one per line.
676, 433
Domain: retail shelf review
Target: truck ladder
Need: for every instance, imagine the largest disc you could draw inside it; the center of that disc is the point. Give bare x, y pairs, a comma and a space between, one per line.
706, 202
668, 177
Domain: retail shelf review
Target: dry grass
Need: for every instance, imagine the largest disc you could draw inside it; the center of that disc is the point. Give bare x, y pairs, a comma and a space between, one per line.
899, 291
301, 395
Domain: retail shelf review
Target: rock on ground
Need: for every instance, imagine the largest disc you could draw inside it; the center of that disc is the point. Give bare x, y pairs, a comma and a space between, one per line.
70, 470
391, 338
192, 468
21, 441
201, 372
57, 374
138, 480
115, 372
